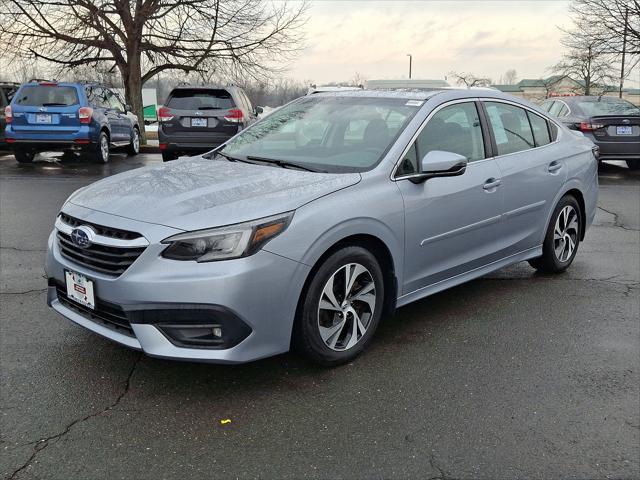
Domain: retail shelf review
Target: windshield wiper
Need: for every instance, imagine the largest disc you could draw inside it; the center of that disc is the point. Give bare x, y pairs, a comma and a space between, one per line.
230, 158
285, 164
54, 104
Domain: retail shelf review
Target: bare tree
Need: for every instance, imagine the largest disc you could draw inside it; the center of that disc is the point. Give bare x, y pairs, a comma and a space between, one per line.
509, 78
588, 65
470, 80
143, 38
610, 26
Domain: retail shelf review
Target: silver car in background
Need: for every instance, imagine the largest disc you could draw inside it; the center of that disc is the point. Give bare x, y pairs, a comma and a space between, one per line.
307, 228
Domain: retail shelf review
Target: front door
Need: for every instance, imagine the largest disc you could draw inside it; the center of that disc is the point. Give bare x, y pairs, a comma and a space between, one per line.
451, 223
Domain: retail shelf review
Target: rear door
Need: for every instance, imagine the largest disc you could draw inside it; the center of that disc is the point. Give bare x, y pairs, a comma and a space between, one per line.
121, 123
197, 111
46, 109
532, 171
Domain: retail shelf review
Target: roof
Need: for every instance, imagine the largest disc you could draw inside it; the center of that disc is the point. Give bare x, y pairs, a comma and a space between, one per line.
411, 94
406, 83
507, 88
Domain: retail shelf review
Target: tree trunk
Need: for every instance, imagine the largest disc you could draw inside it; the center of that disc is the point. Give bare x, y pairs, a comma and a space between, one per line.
133, 92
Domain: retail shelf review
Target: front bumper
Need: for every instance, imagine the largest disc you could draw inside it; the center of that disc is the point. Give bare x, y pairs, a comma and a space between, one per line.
261, 291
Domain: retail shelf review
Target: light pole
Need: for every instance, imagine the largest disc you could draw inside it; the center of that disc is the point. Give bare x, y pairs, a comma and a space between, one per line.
410, 59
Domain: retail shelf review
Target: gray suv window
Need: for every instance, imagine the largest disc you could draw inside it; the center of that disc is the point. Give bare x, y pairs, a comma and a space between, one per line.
510, 127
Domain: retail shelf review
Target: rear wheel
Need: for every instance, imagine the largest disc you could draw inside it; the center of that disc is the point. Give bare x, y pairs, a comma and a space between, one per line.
633, 164
562, 239
340, 308
24, 156
134, 146
100, 151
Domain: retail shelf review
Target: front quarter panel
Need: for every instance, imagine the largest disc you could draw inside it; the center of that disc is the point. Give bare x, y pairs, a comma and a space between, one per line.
372, 207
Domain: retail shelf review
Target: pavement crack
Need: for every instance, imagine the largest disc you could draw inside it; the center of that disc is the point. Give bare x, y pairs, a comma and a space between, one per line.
38, 290
43, 443
616, 220
442, 474
24, 249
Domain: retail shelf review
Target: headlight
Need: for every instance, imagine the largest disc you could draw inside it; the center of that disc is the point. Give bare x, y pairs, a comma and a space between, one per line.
224, 243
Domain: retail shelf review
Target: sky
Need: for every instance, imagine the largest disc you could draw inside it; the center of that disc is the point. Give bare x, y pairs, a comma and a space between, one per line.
485, 38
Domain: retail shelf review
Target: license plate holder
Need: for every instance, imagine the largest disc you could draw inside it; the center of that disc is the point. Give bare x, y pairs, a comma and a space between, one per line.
624, 130
43, 118
80, 289
198, 122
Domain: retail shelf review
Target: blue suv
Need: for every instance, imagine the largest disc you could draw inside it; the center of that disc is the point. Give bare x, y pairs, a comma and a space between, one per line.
70, 117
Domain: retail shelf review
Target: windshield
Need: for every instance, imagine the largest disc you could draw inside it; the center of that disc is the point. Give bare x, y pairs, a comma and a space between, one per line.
45, 95
332, 134
608, 107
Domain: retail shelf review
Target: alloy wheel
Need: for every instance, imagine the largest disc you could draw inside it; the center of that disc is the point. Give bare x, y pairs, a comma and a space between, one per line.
346, 306
104, 148
565, 233
136, 141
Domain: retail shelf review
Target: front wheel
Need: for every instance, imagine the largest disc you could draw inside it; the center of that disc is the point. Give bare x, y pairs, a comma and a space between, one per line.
341, 307
633, 164
134, 146
562, 238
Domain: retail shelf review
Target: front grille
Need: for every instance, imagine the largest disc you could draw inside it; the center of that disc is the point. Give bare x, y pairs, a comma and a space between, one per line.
106, 314
100, 229
102, 258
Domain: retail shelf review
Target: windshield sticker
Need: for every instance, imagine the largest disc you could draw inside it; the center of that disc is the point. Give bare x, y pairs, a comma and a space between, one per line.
414, 103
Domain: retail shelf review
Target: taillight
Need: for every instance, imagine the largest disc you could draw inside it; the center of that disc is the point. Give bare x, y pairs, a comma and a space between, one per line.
588, 126
85, 114
164, 114
234, 115
8, 114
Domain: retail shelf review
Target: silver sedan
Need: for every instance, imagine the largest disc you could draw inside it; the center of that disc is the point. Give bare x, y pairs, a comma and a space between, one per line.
309, 227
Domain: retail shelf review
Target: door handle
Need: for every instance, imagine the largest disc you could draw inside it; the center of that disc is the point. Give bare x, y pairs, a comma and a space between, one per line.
492, 183
554, 166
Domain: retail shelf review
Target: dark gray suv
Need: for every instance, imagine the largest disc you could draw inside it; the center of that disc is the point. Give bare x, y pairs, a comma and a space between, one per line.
197, 119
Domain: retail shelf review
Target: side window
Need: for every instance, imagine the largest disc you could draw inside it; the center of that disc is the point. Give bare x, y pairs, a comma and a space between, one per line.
99, 98
3, 102
563, 110
114, 102
546, 105
455, 128
540, 129
555, 108
510, 127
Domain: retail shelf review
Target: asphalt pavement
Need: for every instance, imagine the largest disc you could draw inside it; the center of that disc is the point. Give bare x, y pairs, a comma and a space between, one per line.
514, 375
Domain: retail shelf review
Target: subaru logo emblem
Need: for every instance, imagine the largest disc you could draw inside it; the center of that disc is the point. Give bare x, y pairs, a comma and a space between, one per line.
82, 236
42, 109
626, 120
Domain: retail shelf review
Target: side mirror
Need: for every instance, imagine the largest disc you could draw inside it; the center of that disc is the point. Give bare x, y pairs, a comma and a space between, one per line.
258, 110
127, 108
437, 163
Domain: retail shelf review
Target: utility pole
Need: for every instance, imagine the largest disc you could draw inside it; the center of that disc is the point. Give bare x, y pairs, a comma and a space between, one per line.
410, 59
624, 48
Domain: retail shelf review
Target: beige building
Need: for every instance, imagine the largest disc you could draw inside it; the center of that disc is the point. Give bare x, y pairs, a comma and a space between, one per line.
538, 89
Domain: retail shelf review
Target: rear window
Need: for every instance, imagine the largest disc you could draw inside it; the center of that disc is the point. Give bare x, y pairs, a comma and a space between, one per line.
608, 107
185, 99
46, 96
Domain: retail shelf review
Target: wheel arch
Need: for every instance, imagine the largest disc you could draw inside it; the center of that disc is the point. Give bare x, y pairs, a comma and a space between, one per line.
380, 251
577, 194
574, 188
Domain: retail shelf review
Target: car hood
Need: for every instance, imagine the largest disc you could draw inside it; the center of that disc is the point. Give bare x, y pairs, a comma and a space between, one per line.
198, 193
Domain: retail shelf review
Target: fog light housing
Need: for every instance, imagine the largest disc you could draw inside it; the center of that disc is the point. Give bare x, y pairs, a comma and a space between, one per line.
191, 326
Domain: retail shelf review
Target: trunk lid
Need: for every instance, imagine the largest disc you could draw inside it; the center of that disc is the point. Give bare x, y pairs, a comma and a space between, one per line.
617, 128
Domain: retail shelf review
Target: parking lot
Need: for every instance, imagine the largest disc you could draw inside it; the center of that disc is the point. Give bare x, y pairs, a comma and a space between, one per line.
514, 375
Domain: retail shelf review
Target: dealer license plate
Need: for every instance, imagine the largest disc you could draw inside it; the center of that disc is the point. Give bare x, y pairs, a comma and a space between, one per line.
624, 130
198, 122
43, 118
80, 289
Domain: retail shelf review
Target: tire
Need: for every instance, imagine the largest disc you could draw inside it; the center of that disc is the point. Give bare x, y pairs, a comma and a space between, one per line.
325, 326
564, 230
24, 156
134, 146
99, 152
633, 164
168, 156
